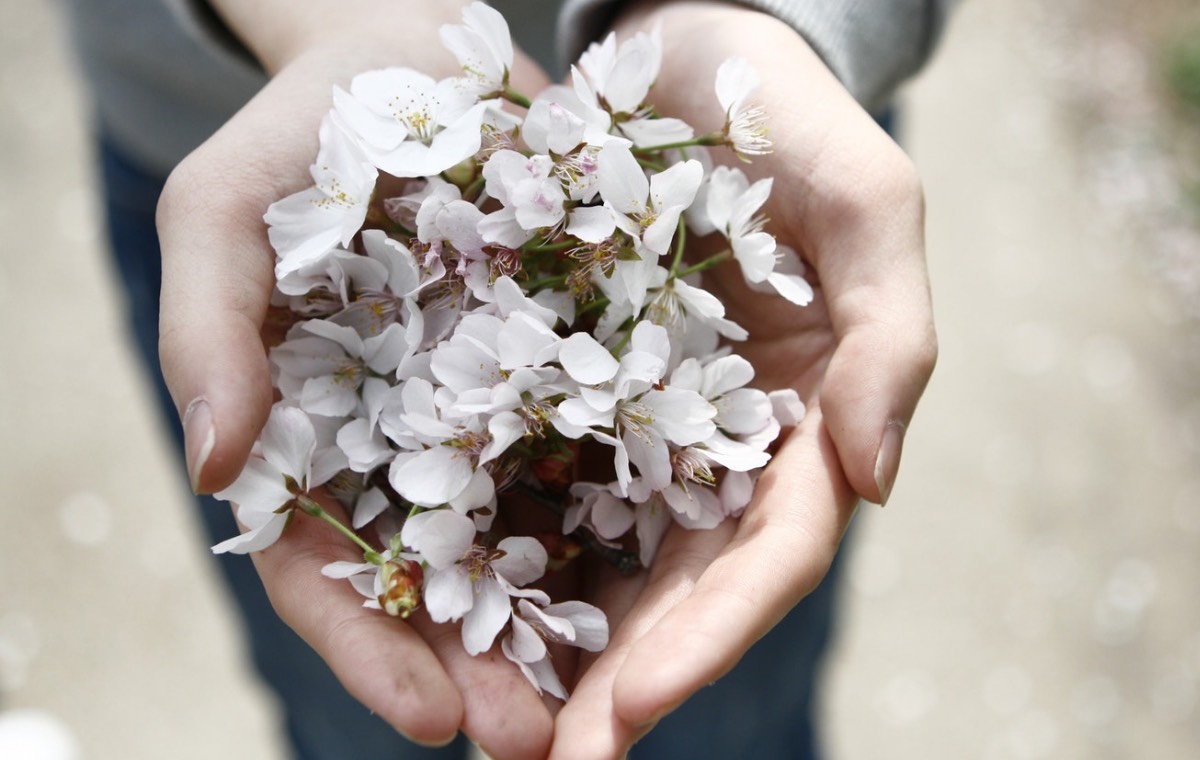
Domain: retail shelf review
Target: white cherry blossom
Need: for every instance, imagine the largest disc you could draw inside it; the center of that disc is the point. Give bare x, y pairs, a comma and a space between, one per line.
745, 126
574, 623
323, 365
468, 581
303, 228
483, 47
622, 397
409, 124
733, 206
621, 76
279, 469
646, 209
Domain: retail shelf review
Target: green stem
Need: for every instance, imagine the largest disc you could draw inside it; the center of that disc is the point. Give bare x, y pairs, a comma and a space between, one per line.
616, 350
712, 138
310, 507
516, 98
680, 241
474, 189
708, 263
598, 303
544, 247
560, 279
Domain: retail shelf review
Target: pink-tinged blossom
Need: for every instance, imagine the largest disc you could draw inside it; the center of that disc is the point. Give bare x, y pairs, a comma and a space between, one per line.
531, 196
561, 124
303, 228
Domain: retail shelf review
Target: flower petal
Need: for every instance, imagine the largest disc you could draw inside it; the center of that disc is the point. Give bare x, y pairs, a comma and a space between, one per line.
449, 594
623, 183
590, 623
611, 516
288, 441
524, 560
488, 615
442, 536
370, 505
255, 539
652, 522
433, 477
585, 360
259, 488
526, 643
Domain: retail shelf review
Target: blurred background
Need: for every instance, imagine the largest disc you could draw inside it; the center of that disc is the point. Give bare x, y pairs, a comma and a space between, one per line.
1033, 588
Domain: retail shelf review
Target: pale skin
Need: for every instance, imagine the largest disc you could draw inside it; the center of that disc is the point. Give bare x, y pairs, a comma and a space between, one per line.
846, 198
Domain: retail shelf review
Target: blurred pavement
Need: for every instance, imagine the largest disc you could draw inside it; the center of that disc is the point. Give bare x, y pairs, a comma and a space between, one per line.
1030, 592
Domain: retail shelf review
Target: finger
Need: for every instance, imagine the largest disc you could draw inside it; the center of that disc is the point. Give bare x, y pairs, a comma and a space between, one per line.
869, 252
589, 727
857, 213
784, 545
501, 711
382, 662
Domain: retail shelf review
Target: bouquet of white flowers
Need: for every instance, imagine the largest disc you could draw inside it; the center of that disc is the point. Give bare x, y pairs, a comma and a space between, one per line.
477, 297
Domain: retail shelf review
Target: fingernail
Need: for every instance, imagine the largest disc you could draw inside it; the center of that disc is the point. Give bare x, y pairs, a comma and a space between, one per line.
887, 461
199, 437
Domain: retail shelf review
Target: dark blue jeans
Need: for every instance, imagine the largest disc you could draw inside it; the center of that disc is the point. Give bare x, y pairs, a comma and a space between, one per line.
763, 709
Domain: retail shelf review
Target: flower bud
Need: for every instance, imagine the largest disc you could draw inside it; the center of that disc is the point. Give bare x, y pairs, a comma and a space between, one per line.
401, 581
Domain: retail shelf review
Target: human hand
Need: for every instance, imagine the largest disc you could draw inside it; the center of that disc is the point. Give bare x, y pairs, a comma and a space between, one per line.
848, 200
217, 282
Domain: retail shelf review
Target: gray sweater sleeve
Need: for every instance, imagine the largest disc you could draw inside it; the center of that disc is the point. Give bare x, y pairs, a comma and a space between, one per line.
872, 46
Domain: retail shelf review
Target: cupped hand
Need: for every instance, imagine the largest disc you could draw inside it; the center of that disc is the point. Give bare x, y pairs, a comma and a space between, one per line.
217, 283
848, 201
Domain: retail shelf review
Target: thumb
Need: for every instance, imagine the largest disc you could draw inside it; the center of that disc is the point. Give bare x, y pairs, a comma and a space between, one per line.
217, 279
218, 271
870, 254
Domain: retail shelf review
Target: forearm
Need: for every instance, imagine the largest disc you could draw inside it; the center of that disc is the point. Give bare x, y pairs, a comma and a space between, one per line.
278, 31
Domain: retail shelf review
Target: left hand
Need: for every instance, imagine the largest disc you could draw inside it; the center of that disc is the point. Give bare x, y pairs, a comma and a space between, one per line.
848, 200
